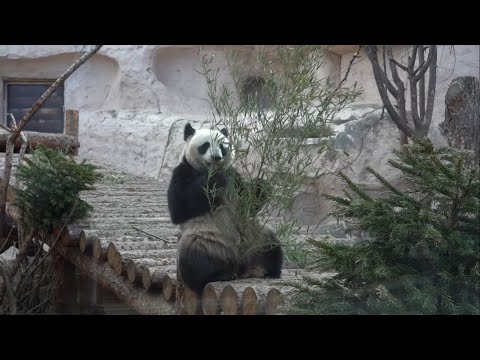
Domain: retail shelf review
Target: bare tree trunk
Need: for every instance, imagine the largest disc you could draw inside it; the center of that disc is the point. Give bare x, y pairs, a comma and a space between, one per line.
34, 139
462, 115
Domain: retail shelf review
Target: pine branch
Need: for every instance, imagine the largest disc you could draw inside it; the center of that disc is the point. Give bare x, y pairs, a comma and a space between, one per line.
354, 187
337, 199
422, 256
384, 181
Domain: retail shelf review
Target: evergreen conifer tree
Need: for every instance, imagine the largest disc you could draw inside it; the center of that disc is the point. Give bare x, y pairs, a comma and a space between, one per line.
422, 253
51, 185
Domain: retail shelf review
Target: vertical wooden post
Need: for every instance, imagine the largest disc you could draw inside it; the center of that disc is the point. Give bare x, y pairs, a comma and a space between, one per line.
88, 291
99, 308
64, 286
82, 292
70, 289
64, 282
88, 295
186, 300
71, 125
58, 280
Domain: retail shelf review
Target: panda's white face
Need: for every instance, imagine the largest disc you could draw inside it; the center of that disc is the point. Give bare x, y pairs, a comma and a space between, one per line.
208, 148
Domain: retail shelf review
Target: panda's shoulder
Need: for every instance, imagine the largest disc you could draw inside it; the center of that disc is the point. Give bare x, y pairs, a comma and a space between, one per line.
183, 173
183, 169
181, 176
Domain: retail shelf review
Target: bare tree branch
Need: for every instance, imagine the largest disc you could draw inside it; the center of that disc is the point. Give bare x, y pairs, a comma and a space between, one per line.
432, 81
421, 112
403, 67
421, 59
432, 50
350, 64
24, 141
381, 84
8, 288
413, 91
153, 236
6, 243
400, 85
413, 58
383, 74
22, 254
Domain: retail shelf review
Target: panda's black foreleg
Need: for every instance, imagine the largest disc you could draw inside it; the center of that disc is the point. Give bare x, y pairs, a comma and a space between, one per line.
198, 268
272, 261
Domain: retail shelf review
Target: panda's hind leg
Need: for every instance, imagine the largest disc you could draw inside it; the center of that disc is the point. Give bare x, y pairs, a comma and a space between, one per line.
267, 264
198, 268
272, 261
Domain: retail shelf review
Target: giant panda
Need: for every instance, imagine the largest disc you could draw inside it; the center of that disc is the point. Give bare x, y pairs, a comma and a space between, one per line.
214, 244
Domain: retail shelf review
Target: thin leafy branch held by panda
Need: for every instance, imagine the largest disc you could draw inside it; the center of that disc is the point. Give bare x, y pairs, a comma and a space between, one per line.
274, 102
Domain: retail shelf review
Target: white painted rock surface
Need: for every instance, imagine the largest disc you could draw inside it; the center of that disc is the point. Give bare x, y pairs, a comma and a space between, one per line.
135, 141
367, 140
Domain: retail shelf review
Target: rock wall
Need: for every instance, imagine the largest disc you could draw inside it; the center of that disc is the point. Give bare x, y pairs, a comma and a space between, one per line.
119, 77
140, 142
364, 136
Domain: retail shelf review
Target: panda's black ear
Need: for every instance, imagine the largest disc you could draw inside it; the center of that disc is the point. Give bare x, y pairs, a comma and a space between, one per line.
188, 131
224, 131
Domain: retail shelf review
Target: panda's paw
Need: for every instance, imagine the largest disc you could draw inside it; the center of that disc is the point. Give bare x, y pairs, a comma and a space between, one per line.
223, 277
217, 180
231, 277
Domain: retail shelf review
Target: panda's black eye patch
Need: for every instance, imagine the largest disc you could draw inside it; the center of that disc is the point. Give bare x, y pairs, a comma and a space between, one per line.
224, 151
203, 149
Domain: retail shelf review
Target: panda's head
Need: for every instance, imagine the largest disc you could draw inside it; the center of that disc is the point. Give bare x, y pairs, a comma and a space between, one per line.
206, 148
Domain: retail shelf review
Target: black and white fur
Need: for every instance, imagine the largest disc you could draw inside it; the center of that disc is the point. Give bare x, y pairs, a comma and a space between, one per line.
212, 242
